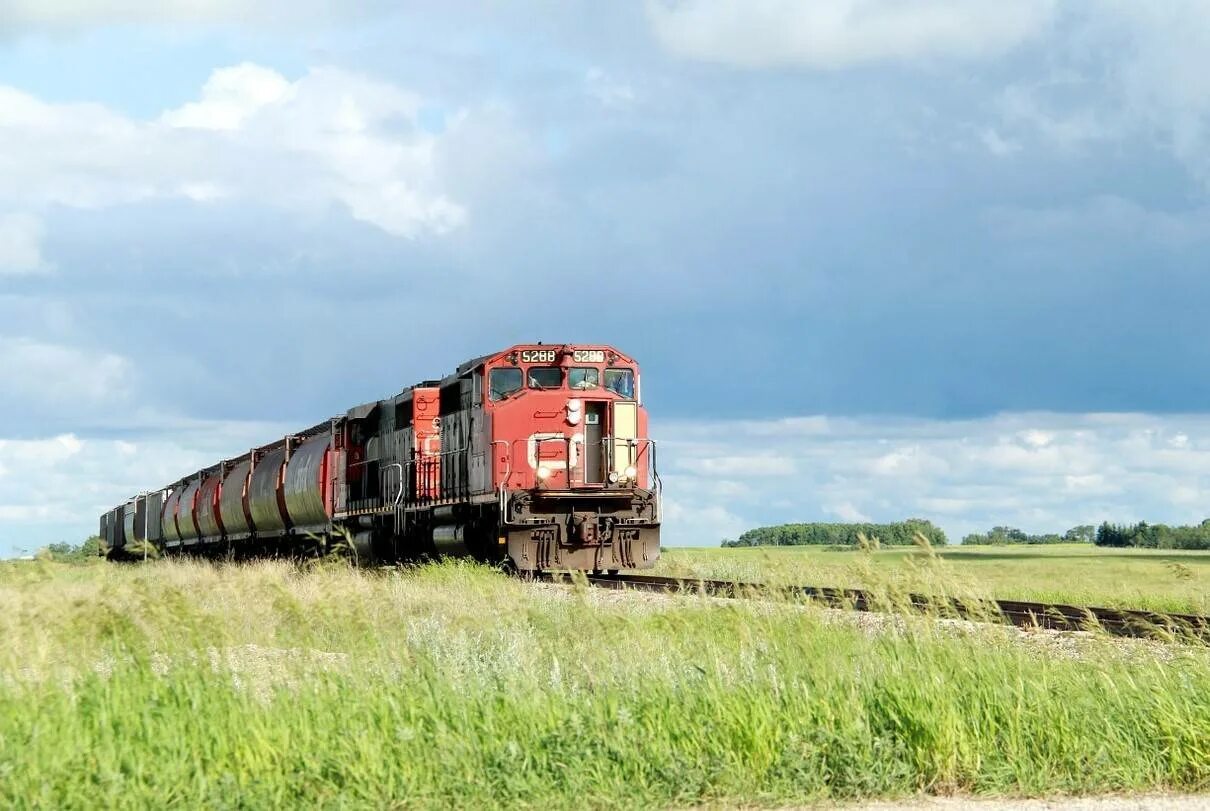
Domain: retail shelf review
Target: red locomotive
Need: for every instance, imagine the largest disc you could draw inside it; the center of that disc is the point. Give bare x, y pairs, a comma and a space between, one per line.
537, 455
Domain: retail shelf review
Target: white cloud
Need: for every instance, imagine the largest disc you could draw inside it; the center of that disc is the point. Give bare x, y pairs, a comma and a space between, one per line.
1036, 438
1039, 471
55, 488
607, 90
17, 15
847, 511
750, 465
700, 525
1120, 70
330, 137
41, 375
230, 97
997, 144
21, 244
843, 33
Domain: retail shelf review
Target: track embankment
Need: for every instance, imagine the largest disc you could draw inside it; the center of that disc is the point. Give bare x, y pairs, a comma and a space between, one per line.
1023, 614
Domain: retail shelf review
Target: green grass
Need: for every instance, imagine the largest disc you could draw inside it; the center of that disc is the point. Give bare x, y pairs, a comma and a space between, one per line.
1160, 580
192, 685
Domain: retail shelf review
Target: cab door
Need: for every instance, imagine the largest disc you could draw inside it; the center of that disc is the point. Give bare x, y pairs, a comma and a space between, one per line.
625, 431
594, 435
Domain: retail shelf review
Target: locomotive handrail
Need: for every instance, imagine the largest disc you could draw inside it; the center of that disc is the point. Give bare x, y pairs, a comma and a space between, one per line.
430, 467
398, 495
566, 440
608, 446
508, 471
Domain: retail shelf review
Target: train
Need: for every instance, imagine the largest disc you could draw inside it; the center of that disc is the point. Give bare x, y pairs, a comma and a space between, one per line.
536, 457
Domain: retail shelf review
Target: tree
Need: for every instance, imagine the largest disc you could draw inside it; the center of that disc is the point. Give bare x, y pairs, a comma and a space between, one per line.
1085, 533
91, 548
1011, 535
901, 533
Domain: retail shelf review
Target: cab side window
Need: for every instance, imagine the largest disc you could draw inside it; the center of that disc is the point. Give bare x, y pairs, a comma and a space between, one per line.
620, 382
503, 382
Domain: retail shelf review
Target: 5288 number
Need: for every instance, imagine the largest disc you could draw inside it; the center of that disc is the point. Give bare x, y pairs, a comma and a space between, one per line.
551, 355
538, 356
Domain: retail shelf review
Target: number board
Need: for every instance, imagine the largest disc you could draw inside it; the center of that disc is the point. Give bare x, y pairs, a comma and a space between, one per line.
588, 356
538, 356
551, 355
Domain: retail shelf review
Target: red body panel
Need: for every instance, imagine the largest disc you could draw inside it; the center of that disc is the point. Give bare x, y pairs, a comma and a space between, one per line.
426, 405
533, 428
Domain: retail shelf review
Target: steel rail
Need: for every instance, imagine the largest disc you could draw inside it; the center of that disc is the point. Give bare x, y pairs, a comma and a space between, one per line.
1023, 614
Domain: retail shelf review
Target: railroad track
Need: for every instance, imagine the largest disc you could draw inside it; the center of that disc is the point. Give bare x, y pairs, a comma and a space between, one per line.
1053, 616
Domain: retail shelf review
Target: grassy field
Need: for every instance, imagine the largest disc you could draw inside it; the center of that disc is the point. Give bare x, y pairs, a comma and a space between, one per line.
182, 684
1162, 580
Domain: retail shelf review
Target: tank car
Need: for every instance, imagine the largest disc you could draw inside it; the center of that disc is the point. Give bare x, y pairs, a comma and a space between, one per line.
537, 456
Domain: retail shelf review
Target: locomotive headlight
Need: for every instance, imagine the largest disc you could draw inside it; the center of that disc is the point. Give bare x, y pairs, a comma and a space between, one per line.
613, 477
632, 472
543, 472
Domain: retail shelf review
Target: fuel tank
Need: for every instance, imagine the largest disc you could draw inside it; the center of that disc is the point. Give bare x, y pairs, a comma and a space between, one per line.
209, 522
264, 492
184, 517
168, 522
306, 477
231, 500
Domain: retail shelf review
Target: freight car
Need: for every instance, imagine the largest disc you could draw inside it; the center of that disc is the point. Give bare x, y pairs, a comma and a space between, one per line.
537, 456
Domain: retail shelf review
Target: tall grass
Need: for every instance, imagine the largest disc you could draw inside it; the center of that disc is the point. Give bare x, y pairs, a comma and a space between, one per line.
187, 685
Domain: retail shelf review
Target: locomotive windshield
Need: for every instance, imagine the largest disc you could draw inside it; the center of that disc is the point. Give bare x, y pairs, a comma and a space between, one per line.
545, 377
583, 377
504, 382
620, 382
508, 380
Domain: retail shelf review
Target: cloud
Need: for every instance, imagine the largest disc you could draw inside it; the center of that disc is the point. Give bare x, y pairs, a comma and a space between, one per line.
38, 15
56, 487
843, 33
1120, 71
747, 465
41, 377
997, 144
847, 512
230, 97
21, 244
329, 138
1038, 471
607, 90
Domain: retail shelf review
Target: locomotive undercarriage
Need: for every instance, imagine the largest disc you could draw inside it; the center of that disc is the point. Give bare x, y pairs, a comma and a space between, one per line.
528, 530
594, 530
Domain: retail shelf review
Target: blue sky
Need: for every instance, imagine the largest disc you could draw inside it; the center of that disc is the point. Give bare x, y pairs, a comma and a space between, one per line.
942, 258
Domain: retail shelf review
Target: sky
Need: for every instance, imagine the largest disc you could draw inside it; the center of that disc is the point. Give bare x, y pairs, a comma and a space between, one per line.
934, 258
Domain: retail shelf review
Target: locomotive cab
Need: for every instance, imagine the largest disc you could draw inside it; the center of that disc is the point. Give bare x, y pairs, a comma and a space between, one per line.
573, 464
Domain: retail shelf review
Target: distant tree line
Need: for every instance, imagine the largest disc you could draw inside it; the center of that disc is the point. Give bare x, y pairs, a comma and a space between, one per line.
900, 533
1000, 536
72, 553
1155, 536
